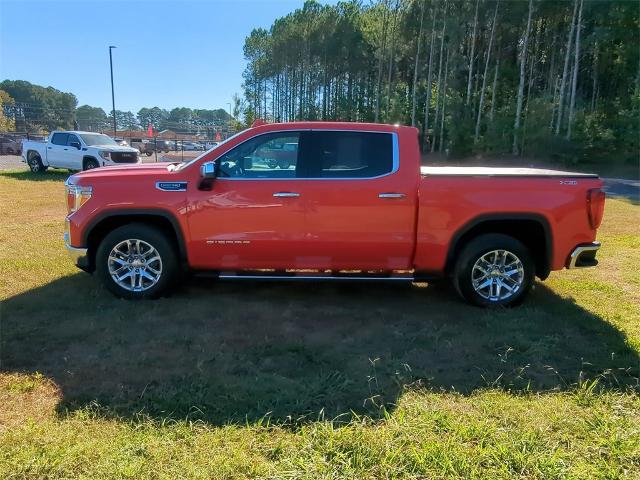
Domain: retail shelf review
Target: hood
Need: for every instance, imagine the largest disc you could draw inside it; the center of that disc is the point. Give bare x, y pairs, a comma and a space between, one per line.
122, 172
116, 148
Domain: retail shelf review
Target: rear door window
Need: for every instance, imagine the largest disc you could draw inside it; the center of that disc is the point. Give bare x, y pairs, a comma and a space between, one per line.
346, 154
60, 138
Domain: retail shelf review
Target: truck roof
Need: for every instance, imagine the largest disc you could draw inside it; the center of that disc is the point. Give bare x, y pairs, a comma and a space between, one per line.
77, 131
324, 125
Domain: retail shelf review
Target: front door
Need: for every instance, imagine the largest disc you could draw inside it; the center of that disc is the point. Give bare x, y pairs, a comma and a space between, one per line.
72, 157
253, 217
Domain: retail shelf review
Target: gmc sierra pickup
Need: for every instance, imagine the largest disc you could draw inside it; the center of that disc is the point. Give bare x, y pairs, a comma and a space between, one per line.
354, 204
76, 151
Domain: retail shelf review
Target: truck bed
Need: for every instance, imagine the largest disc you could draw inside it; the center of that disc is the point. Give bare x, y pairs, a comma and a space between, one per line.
500, 172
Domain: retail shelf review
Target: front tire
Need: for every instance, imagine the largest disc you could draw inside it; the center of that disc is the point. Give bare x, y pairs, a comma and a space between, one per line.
494, 270
137, 261
90, 164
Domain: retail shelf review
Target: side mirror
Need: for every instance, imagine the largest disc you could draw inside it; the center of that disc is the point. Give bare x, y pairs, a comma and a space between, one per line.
208, 172
75, 144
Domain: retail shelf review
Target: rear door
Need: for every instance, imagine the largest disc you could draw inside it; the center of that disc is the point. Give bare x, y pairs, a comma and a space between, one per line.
359, 203
57, 150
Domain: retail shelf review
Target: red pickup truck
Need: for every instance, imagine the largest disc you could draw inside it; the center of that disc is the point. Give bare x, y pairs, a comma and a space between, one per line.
354, 204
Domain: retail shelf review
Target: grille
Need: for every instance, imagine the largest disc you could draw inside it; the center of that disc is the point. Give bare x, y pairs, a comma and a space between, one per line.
124, 157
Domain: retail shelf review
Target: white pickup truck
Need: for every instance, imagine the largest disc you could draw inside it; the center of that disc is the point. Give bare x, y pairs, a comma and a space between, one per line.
76, 151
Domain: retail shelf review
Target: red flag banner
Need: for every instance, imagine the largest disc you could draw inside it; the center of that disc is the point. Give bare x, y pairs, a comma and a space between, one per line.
149, 130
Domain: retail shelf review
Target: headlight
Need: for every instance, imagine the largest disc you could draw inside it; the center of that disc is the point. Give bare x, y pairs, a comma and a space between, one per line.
105, 154
77, 195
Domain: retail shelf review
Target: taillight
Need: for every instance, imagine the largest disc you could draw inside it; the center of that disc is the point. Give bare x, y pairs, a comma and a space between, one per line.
595, 206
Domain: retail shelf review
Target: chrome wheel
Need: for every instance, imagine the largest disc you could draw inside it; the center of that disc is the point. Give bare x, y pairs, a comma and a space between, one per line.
497, 275
34, 164
134, 265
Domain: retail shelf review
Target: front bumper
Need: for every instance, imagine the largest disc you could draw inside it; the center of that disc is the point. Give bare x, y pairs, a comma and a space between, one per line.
78, 255
584, 256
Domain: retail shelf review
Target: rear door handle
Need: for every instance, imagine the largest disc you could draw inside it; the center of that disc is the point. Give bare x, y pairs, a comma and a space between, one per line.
286, 194
391, 195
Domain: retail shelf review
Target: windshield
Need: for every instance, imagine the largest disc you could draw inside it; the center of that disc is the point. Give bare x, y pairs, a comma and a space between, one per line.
190, 162
97, 139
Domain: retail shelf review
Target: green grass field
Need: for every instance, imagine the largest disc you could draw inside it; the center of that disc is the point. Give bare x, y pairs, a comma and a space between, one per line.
236, 380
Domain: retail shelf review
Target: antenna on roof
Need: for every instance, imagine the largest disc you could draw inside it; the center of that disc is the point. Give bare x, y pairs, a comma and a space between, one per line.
258, 122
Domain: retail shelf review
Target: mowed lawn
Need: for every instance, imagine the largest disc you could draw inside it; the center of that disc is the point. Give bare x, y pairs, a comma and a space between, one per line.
284, 380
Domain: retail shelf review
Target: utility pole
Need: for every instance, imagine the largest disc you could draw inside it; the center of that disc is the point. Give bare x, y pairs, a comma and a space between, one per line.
113, 98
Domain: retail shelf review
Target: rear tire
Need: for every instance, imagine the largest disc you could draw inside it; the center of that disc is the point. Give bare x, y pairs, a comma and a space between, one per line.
35, 163
494, 270
137, 261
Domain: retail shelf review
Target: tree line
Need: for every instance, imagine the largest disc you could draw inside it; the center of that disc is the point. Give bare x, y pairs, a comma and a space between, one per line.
536, 77
33, 108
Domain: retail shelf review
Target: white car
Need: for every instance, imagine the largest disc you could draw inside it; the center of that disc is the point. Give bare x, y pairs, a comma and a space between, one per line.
76, 151
191, 146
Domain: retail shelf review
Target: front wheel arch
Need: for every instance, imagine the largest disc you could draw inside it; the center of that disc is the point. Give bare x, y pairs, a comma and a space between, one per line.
103, 224
87, 159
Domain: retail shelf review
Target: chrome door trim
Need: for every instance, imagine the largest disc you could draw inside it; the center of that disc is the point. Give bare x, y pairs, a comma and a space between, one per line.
392, 195
286, 194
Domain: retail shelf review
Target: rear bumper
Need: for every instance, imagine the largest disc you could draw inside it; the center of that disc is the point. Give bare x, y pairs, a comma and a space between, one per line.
584, 255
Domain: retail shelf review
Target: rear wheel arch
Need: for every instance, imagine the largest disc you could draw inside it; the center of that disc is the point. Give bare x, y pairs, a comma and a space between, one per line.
33, 153
106, 223
532, 230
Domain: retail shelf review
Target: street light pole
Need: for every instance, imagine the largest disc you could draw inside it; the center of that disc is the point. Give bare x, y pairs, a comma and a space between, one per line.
113, 98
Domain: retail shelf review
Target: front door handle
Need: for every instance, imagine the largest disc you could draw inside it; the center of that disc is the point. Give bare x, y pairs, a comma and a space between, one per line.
391, 195
286, 194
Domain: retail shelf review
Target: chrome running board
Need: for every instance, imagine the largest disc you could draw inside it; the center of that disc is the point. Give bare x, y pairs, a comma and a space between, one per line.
318, 277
